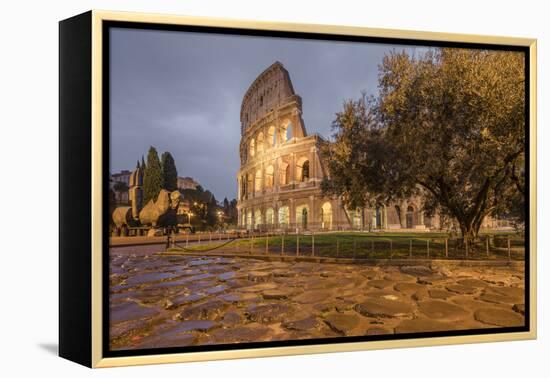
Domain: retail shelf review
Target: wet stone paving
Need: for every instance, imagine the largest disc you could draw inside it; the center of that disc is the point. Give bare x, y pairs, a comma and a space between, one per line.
167, 301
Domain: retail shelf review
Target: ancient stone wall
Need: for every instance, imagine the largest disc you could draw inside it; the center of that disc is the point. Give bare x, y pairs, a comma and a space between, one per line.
281, 171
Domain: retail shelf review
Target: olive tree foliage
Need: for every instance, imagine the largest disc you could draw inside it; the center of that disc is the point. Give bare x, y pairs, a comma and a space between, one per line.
347, 159
450, 127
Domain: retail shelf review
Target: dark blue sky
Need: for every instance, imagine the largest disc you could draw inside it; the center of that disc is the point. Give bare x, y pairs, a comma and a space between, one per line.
181, 92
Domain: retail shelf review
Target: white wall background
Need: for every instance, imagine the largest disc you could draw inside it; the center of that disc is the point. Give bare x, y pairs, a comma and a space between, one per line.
29, 186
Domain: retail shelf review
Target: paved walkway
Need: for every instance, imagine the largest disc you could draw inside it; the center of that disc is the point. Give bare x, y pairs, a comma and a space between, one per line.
165, 301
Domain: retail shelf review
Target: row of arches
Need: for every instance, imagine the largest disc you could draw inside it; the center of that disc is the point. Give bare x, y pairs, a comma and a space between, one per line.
264, 95
382, 217
259, 180
257, 145
322, 216
280, 217
409, 217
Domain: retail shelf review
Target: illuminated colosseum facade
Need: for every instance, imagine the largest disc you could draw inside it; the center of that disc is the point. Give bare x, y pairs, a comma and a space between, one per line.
281, 169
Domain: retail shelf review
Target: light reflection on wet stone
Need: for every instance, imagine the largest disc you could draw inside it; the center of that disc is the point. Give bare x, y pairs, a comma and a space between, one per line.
130, 310
165, 301
148, 277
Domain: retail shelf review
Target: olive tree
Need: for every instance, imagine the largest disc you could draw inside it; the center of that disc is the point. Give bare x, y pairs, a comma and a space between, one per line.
448, 126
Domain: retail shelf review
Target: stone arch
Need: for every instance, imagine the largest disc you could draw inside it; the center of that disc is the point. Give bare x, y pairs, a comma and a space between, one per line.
326, 215
269, 176
269, 216
284, 173
302, 215
284, 216
271, 138
286, 131
409, 218
260, 143
302, 169
289, 131
305, 171
257, 218
258, 181
249, 219
378, 217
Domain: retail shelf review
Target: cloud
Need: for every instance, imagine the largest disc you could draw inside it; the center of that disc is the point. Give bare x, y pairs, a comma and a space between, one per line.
181, 92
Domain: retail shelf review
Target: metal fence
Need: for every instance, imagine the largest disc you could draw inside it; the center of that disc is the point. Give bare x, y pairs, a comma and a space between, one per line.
355, 245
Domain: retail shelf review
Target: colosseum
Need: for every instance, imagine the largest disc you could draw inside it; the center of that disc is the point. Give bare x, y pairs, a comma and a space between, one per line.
281, 169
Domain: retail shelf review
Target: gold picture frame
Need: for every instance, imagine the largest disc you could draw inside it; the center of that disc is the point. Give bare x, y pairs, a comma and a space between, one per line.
91, 24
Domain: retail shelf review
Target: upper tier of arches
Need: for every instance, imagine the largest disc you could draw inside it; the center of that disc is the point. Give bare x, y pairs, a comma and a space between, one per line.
270, 90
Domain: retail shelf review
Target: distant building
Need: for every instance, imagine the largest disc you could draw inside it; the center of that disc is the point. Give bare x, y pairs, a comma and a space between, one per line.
121, 196
122, 176
187, 183
281, 169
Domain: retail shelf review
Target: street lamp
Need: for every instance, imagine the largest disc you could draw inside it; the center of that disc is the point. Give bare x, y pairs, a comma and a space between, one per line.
220, 218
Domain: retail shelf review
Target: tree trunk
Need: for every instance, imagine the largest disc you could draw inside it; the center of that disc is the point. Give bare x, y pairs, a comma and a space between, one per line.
469, 228
466, 234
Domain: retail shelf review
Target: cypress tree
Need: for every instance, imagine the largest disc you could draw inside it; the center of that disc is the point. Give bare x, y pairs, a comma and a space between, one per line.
142, 162
225, 205
169, 172
152, 176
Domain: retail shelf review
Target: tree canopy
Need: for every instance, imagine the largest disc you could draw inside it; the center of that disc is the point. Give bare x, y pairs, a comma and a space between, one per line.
347, 160
204, 207
169, 172
230, 211
153, 180
448, 126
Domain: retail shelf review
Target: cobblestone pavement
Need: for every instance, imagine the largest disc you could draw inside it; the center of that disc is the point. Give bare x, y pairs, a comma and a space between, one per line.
165, 301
